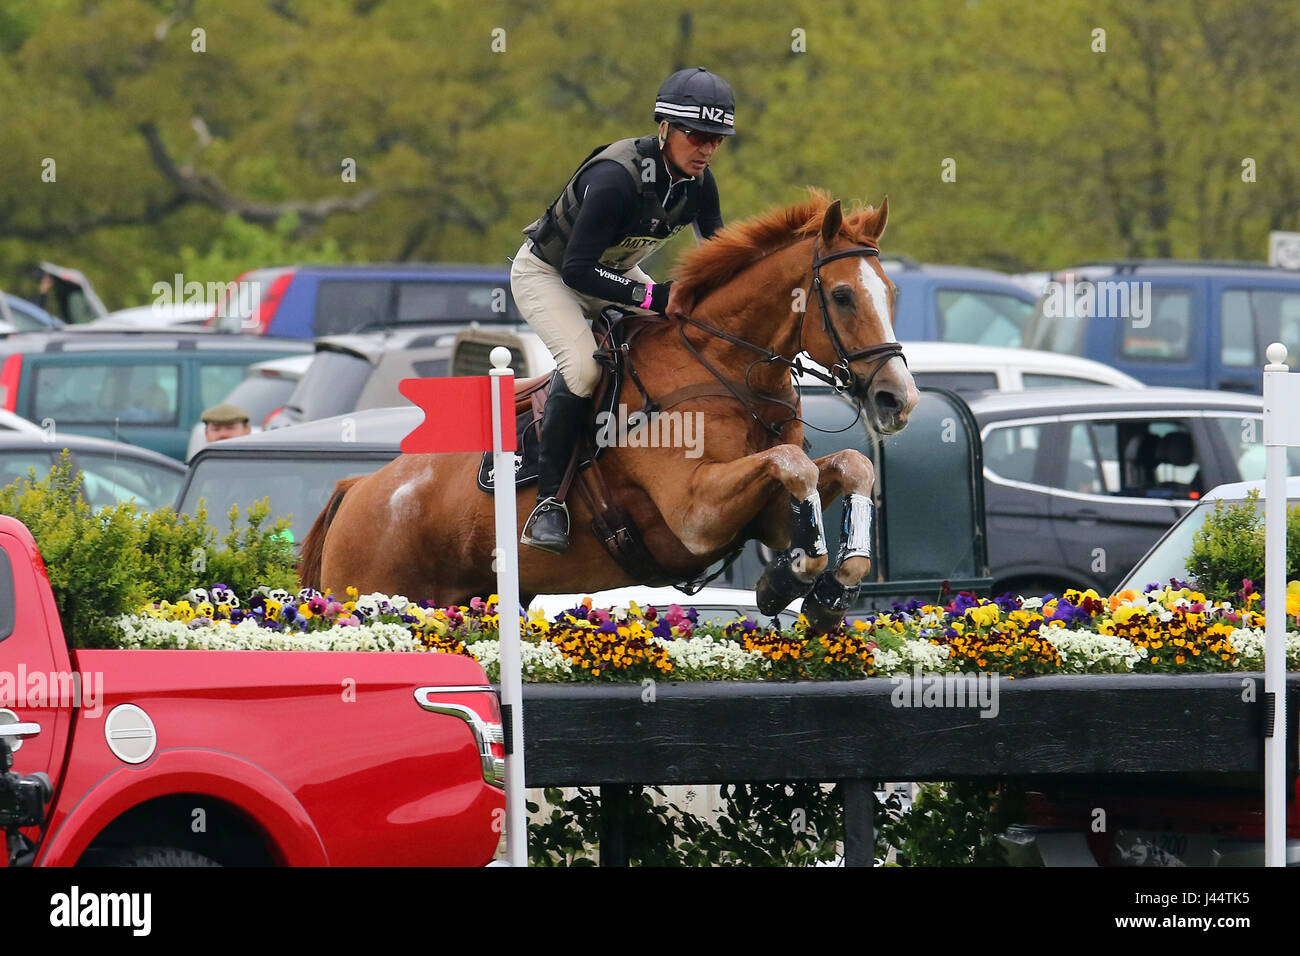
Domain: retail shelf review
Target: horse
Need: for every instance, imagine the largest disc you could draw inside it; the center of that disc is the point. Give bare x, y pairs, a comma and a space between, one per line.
420, 527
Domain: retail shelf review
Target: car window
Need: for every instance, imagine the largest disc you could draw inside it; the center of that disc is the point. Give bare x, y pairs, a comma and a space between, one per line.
345, 305
298, 488
430, 368
433, 301
1167, 334
1011, 452
109, 480
26, 320
331, 385
260, 395
1244, 436
1042, 380
17, 464
982, 318
1133, 458
76, 393
961, 382
216, 381
1251, 319
1056, 333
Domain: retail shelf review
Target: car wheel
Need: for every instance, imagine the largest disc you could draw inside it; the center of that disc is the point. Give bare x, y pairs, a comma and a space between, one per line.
153, 856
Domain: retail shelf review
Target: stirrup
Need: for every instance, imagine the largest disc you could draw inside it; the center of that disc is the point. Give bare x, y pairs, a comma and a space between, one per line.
548, 512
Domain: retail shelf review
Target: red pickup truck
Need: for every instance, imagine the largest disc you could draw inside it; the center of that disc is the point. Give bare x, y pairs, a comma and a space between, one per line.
237, 758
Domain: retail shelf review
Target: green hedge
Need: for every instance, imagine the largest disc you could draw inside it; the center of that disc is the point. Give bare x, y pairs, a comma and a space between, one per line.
108, 562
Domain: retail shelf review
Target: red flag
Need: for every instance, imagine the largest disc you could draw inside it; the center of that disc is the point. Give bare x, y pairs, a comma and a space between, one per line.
458, 414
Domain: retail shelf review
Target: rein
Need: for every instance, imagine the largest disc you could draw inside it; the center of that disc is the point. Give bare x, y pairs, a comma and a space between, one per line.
881, 354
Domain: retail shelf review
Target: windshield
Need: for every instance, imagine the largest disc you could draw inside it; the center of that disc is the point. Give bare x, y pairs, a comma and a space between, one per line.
331, 385
298, 488
1168, 559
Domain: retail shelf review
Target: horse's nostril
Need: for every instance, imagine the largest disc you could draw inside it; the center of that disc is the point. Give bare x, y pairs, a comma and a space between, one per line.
888, 401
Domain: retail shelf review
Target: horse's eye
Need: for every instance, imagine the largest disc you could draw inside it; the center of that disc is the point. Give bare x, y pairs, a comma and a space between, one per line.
842, 297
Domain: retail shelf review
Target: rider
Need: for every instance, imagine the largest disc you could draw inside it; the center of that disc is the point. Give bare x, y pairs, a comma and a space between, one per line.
623, 202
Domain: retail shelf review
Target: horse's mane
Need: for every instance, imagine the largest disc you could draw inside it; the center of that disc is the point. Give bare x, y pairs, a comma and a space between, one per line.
733, 249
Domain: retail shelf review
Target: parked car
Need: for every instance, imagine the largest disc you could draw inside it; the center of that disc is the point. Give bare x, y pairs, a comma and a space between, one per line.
10, 422
938, 303
296, 468
962, 368
111, 771
19, 315
1203, 325
1168, 557
112, 472
72, 296
265, 389
147, 388
1080, 482
183, 315
308, 302
354, 372
968, 369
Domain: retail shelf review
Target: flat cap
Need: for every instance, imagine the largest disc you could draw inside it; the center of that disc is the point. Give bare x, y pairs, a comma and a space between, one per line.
224, 414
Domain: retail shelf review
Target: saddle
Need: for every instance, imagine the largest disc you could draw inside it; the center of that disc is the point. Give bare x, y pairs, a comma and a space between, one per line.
611, 524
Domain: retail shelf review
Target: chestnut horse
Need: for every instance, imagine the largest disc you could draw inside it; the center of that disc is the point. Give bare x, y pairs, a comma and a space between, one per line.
420, 527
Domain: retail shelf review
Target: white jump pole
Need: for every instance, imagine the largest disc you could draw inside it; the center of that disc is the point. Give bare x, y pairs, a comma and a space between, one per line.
1281, 428
507, 562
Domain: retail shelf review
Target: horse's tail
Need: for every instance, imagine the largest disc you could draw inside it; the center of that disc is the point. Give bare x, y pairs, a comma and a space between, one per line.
313, 546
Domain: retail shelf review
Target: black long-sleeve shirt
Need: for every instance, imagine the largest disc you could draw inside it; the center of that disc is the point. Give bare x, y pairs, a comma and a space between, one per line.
610, 207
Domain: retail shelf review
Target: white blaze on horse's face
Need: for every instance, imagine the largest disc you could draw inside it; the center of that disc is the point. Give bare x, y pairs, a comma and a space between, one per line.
879, 296
892, 392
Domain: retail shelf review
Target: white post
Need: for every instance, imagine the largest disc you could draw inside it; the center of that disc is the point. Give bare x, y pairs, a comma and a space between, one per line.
507, 566
1277, 386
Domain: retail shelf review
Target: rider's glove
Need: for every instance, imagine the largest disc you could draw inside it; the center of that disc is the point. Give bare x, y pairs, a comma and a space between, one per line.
658, 297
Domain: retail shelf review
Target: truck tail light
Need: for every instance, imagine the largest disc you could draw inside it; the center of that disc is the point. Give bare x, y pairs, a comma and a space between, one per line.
481, 712
10, 375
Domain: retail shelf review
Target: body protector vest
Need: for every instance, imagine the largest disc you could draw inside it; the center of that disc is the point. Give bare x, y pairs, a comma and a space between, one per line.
654, 224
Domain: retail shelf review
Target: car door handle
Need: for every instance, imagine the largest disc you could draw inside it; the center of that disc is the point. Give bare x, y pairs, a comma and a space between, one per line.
1084, 516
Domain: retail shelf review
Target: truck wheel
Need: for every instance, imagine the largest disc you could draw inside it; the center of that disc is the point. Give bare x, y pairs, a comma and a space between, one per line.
154, 856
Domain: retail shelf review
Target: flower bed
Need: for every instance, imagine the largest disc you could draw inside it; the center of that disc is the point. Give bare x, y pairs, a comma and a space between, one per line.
1165, 629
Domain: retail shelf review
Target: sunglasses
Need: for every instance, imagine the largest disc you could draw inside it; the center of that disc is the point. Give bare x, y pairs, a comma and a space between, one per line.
700, 139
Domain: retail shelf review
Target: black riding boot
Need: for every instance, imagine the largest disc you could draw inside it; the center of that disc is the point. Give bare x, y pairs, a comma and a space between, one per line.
563, 421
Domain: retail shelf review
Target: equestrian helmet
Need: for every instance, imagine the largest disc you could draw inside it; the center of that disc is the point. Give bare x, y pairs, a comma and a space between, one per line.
697, 100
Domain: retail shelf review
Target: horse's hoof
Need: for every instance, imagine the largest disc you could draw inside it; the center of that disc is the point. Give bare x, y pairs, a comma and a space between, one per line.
829, 601
778, 586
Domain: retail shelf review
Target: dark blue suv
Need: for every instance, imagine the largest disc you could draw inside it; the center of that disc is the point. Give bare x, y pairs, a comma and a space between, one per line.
957, 304
1172, 322
306, 302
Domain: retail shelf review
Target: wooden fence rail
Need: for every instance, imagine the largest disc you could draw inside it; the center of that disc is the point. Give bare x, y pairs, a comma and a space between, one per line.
617, 736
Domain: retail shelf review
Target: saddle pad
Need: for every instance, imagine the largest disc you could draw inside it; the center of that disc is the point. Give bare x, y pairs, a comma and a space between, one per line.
527, 428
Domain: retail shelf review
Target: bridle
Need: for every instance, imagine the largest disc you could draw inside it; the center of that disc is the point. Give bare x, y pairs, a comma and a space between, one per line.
845, 382
881, 353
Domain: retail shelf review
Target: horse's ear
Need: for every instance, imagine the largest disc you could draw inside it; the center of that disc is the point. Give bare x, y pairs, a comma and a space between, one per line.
875, 225
831, 221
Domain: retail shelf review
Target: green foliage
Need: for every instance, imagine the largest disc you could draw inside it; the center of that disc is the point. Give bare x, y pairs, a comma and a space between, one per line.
781, 824
953, 824
1062, 151
109, 562
1229, 548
